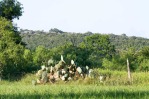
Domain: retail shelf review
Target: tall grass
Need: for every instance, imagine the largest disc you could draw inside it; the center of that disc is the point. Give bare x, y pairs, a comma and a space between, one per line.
121, 78
116, 86
73, 91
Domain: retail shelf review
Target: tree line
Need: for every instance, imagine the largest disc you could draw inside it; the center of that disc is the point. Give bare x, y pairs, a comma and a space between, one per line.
108, 51
52, 39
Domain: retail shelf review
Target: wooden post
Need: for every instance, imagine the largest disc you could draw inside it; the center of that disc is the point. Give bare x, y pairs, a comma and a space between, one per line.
128, 69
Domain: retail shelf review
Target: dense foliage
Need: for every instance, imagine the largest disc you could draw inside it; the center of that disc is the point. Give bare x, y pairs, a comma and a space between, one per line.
96, 50
10, 9
106, 51
50, 39
11, 53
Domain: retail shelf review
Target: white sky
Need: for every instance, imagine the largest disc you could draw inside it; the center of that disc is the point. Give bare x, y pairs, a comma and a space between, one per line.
98, 16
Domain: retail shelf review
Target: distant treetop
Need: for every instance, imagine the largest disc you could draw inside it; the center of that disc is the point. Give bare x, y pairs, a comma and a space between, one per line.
55, 30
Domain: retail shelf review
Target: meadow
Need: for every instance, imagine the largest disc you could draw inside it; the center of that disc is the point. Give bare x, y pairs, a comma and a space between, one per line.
116, 86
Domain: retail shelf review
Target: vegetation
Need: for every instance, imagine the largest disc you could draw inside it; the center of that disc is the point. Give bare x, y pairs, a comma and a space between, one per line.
107, 54
11, 45
94, 49
117, 86
10, 9
73, 92
52, 39
10, 52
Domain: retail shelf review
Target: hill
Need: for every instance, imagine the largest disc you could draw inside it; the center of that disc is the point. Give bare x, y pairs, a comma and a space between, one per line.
53, 39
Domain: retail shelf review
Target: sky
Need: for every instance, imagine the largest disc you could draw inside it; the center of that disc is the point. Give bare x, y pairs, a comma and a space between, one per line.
130, 17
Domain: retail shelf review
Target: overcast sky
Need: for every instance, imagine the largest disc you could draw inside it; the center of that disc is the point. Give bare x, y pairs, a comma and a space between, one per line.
98, 16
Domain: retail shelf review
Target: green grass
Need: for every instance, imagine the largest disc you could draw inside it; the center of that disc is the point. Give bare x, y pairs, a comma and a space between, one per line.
115, 87
66, 91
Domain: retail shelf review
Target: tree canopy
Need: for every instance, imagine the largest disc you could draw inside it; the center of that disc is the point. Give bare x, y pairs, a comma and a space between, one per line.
10, 9
10, 52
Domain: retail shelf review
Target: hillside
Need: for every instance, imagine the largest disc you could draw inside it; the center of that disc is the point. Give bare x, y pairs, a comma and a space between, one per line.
53, 39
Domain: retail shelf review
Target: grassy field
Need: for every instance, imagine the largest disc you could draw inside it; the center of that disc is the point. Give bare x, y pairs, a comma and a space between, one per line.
19, 91
115, 87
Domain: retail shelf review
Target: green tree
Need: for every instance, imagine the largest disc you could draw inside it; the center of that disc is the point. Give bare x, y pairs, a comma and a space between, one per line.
145, 52
120, 60
143, 59
41, 56
11, 54
10, 9
28, 60
100, 47
78, 54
